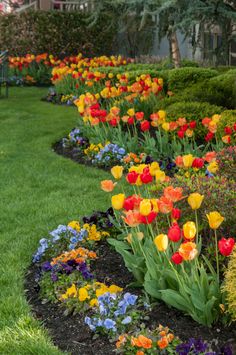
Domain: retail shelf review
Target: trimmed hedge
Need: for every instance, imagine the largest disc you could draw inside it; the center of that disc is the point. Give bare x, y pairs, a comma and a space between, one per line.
55, 32
179, 79
192, 110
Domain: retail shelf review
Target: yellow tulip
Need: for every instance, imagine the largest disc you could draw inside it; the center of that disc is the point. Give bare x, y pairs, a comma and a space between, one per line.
189, 133
154, 168
117, 201
215, 219
212, 167
216, 118
166, 126
188, 160
145, 207
160, 175
162, 115
131, 112
195, 200
117, 172
155, 207
161, 242
190, 230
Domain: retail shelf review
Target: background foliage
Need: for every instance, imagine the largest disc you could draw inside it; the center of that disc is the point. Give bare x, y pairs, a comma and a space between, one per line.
58, 33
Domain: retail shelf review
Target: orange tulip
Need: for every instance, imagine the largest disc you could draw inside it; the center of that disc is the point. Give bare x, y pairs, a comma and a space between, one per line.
210, 156
108, 185
179, 161
188, 251
165, 205
132, 218
173, 194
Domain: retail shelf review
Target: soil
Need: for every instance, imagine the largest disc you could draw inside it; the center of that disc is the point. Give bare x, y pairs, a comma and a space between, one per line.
70, 333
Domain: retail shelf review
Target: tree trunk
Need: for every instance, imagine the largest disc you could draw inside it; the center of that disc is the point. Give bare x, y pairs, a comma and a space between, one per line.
175, 52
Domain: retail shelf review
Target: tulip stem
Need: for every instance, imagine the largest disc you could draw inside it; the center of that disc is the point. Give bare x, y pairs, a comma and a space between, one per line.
217, 258
196, 226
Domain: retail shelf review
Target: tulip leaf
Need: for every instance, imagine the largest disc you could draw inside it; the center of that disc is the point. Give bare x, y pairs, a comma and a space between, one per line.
174, 299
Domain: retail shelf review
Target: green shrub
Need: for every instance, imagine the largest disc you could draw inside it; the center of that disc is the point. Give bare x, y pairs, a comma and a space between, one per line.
228, 118
222, 90
230, 285
179, 79
192, 110
189, 63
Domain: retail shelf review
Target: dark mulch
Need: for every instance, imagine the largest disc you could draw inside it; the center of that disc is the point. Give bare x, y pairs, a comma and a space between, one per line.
70, 334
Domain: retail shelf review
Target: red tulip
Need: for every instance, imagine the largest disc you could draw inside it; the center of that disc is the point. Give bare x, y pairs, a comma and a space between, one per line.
228, 130
198, 163
209, 136
184, 127
176, 213
146, 177
148, 219
181, 133
177, 258
132, 202
131, 120
113, 122
132, 177
174, 233
226, 246
129, 203
145, 126
192, 124
139, 116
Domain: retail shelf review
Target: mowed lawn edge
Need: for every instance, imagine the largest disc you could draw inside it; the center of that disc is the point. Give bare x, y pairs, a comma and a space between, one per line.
39, 190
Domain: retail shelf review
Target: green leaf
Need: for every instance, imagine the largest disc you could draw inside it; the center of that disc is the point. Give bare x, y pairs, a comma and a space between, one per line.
173, 298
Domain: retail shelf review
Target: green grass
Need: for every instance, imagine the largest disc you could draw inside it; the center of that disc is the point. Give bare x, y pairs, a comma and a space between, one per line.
39, 190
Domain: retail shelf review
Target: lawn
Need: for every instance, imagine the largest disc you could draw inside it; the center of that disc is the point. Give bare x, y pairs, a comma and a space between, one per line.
39, 190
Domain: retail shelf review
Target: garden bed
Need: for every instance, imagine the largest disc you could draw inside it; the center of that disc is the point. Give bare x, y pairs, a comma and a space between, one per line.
70, 333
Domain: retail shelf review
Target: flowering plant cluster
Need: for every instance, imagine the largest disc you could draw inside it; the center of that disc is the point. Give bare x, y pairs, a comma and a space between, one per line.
114, 313
159, 341
67, 238
175, 265
44, 67
67, 278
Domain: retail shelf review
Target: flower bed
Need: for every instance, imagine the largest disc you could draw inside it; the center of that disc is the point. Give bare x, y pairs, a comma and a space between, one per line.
125, 315
157, 258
